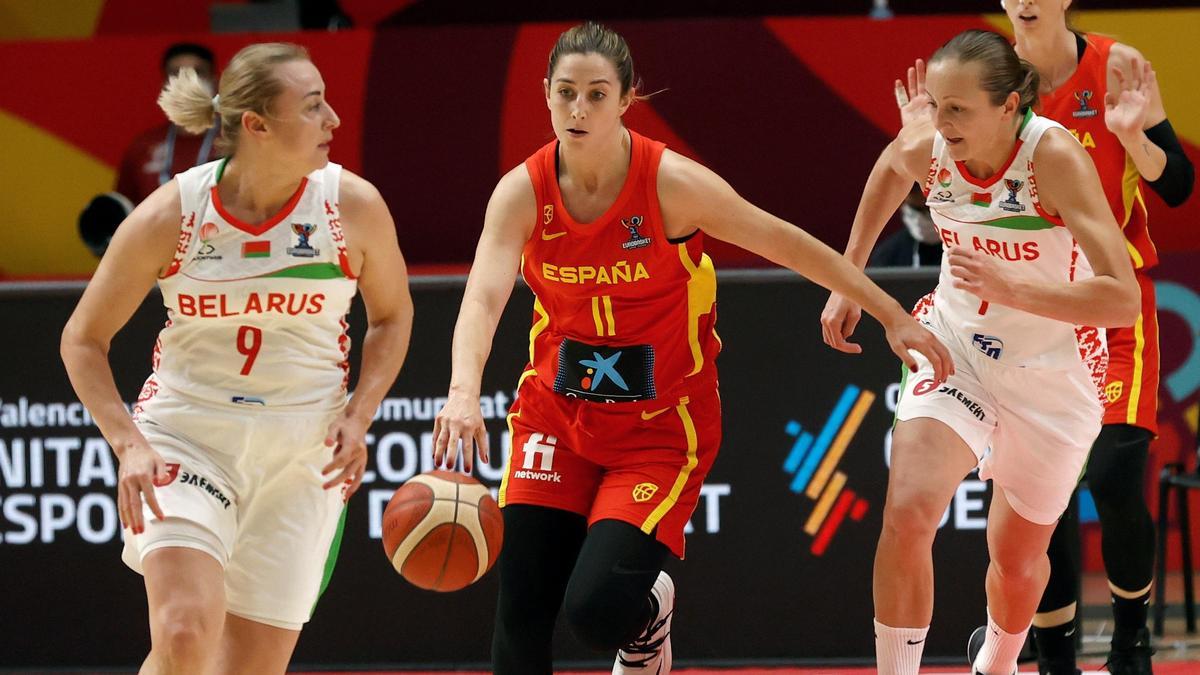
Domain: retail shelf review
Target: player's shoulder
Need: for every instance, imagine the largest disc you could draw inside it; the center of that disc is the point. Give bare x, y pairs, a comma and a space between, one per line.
356, 191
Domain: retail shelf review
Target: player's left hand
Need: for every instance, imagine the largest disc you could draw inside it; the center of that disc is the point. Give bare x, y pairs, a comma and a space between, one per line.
1125, 110
980, 274
347, 436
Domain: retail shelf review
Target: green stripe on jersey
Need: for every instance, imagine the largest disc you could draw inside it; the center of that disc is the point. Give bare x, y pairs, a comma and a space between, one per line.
310, 271
1020, 223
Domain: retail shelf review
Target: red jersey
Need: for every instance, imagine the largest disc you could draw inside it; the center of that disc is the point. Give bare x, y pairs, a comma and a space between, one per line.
617, 293
1079, 106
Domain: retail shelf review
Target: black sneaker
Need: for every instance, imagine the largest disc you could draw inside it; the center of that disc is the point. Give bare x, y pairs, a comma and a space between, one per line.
975, 645
1134, 660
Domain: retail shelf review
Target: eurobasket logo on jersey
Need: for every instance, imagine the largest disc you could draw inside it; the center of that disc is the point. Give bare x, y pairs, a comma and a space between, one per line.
1010, 203
813, 463
303, 249
1084, 99
636, 240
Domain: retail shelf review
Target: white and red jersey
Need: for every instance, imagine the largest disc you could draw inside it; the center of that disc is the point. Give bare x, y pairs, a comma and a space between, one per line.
256, 313
1002, 217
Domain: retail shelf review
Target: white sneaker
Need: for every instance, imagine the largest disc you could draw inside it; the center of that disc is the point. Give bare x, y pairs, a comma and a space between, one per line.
650, 653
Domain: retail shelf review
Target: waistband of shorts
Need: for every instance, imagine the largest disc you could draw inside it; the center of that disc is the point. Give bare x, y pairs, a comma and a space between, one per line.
318, 407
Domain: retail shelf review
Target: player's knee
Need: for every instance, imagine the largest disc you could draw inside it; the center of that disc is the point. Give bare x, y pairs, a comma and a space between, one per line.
591, 619
1020, 566
912, 517
186, 637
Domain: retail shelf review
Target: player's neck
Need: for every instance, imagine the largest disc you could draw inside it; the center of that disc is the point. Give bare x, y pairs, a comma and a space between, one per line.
601, 166
256, 189
992, 158
1053, 53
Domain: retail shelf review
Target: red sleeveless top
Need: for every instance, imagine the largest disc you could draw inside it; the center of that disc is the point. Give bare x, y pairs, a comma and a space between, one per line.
618, 281
1078, 105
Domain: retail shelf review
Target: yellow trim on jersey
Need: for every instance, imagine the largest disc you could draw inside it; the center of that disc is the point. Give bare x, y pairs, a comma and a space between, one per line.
538, 326
702, 295
853, 420
1139, 361
501, 495
1131, 196
608, 313
596, 315
822, 510
665, 505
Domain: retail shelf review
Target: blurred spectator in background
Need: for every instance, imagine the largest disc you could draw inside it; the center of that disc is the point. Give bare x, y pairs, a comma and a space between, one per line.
154, 157
917, 244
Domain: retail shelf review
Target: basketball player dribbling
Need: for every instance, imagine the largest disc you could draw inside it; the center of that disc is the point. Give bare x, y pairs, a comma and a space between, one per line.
242, 444
618, 419
1019, 205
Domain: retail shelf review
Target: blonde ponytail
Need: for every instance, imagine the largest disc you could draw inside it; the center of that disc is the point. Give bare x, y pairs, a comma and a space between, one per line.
187, 102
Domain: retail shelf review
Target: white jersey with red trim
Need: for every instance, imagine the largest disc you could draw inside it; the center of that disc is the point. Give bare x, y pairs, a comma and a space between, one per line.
256, 313
1002, 217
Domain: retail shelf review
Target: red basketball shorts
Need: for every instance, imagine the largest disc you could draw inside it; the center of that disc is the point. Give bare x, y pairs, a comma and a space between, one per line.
642, 463
1131, 384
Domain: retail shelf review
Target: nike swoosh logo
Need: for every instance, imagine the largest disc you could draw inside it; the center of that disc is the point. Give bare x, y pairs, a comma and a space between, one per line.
652, 415
548, 237
914, 642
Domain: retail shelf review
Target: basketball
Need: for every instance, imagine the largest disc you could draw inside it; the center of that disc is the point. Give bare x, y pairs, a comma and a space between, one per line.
442, 530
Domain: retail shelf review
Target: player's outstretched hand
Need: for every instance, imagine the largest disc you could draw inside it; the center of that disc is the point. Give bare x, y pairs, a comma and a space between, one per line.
459, 420
905, 333
838, 321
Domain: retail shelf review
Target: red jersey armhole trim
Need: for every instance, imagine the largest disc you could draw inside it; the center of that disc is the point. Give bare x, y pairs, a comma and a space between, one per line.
270, 222
989, 182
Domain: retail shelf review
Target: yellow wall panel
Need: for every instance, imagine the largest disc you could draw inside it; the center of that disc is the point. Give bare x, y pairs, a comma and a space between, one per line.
44, 184
40, 19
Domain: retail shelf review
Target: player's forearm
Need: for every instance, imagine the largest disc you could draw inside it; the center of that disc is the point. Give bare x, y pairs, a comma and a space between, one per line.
472, 344
1149, 159
883, 194
1101, 301
91, 377
816, 261
384, 348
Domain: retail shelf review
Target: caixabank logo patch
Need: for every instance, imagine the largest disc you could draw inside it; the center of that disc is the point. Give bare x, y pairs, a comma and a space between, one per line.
813, 464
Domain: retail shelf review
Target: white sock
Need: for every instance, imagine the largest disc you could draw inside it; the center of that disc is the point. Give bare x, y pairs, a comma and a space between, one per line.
898, 650
1000, 650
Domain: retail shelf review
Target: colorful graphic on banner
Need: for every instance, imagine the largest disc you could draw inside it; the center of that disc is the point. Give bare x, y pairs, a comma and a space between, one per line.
813, 461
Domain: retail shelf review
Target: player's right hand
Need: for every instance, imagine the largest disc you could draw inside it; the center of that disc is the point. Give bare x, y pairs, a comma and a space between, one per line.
140, 468
914, 102
838, 321
459, 420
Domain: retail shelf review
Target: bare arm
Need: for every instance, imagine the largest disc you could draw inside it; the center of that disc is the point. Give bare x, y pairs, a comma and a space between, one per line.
1069, 186
688, 192
141, 249
383, 283
507, 225
1134, 104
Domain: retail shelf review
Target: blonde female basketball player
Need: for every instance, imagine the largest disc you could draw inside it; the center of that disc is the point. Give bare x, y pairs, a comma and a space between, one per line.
618, 419
1018, 204
242, 444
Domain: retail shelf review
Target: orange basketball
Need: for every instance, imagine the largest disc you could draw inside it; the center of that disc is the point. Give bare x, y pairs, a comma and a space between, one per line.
442, 530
